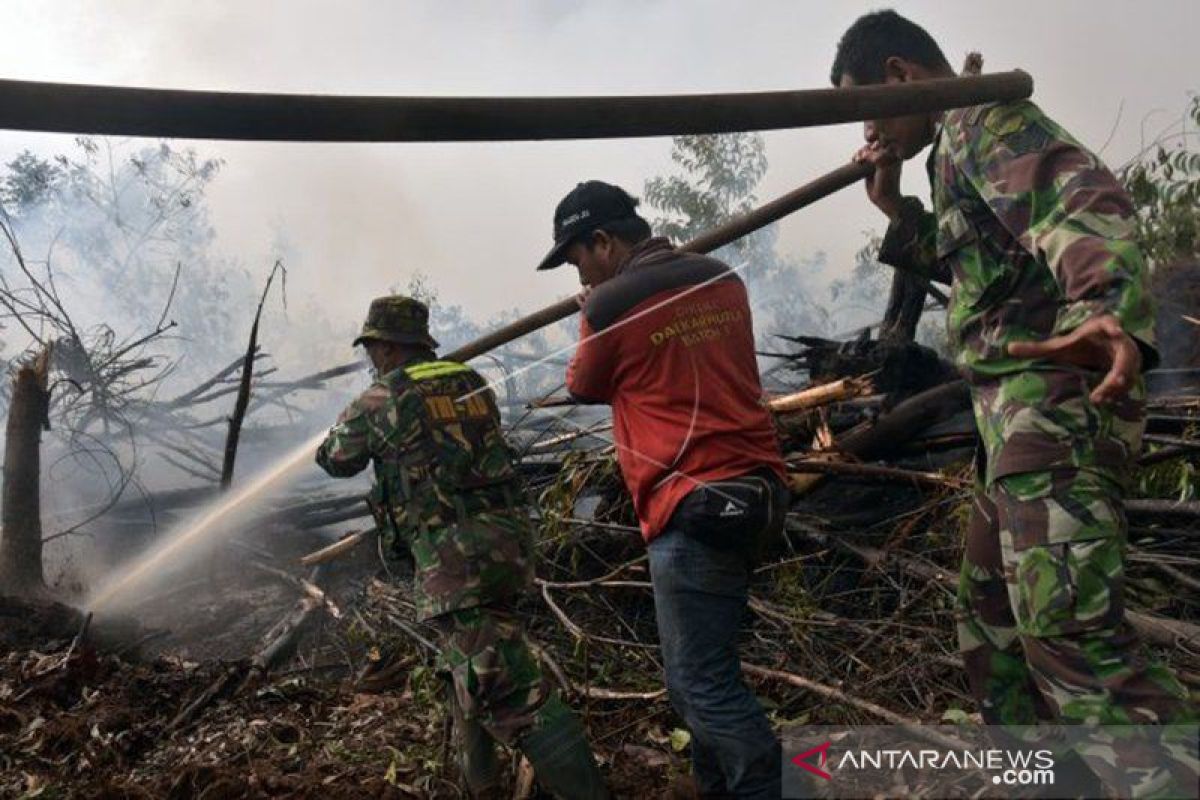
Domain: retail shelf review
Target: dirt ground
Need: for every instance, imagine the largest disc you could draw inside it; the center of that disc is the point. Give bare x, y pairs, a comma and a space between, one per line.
90, 721
357, 710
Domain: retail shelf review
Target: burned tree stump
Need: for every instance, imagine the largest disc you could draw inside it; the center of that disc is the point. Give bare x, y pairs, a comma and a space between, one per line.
906, 303
21, 537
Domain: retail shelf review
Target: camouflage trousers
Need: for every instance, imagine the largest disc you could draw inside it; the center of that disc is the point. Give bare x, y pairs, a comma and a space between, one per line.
497, 690
496, 681
1040, 613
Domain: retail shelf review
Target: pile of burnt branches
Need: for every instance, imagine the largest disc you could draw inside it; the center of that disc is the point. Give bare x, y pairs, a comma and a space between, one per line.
850, 617
852, 609
851, 614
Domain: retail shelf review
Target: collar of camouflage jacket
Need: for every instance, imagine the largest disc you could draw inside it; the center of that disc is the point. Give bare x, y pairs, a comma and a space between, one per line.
392, 374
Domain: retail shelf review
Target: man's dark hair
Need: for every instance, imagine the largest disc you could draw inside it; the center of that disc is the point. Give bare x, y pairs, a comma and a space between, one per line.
876, 37
630, 230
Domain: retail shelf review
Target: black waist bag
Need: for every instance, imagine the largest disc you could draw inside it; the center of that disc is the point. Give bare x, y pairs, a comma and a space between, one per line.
729, 514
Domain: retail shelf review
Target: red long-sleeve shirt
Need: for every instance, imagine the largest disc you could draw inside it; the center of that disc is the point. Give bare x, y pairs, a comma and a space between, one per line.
669, 344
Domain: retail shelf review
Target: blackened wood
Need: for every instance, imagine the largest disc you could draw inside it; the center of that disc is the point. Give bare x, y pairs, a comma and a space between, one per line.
243, 395
906, 302
21, 537
906, 420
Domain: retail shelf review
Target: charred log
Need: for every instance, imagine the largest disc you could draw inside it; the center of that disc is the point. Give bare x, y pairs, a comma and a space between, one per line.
898, 368
906, 302
21, 539
906, 420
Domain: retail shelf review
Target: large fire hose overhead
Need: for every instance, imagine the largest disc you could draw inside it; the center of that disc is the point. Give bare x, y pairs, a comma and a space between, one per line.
126, 111
188, 114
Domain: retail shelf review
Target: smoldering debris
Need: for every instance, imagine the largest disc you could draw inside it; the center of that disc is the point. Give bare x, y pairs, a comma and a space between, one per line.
851, 616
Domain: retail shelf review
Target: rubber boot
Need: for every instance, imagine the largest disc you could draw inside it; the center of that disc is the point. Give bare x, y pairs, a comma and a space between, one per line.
560, 755
477, 759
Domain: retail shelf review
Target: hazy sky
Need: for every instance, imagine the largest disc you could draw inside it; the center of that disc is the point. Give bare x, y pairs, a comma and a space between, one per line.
476, 217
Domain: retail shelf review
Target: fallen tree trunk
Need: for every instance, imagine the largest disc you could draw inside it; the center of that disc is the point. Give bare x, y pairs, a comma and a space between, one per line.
358, 511
875, 472
906, 420
293, 513
283, 638
279, 642
191, 396
889, 432
21, 538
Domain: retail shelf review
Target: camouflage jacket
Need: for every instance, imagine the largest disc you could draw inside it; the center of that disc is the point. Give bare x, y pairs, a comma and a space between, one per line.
444, 486
1035, 236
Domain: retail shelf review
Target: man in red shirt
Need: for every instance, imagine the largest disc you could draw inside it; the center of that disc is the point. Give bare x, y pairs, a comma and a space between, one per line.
666, 339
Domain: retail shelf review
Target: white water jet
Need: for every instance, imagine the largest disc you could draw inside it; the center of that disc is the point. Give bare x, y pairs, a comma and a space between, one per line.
177, 547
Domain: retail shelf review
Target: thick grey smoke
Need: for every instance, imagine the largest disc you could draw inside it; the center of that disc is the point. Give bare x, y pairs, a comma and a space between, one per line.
474, 217
350, 222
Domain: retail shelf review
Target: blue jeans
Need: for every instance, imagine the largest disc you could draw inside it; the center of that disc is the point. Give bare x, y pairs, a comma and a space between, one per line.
700, 596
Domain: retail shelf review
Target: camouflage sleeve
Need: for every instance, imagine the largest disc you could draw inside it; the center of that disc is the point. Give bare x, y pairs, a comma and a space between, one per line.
910, 243
1067, 209
348, 447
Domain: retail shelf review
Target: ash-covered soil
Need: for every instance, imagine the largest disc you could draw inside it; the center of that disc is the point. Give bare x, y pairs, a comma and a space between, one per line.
93, 720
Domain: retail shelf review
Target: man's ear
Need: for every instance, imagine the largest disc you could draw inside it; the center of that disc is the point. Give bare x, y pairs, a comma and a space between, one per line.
600, 238
897, 70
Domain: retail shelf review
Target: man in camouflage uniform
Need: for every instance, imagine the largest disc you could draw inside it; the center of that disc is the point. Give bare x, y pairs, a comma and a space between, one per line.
1052, 322
446, 490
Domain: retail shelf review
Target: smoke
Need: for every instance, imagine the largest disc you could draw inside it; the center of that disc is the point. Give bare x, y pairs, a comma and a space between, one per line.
476, 217
351, 221
112, 262
1176, 290
120, 237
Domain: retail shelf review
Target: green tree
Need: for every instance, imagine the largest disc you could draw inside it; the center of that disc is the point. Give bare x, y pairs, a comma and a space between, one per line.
719, 176
716, 182
1164, 180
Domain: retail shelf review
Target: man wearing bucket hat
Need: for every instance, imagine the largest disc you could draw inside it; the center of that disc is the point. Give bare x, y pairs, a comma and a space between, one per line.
445, 490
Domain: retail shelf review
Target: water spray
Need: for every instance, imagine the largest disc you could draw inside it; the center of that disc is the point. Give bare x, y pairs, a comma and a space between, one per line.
174, 545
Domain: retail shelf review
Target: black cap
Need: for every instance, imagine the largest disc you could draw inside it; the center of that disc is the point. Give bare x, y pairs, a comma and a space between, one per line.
585, 208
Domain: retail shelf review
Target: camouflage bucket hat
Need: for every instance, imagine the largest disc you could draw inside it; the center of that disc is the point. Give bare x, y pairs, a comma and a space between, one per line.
397, 318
